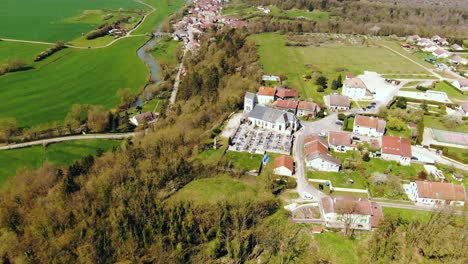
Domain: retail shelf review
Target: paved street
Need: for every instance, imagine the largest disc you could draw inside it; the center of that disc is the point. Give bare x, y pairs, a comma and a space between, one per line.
429, 155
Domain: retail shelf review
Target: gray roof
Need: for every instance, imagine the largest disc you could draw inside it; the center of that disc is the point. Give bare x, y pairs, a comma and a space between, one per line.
250, 95
272, 115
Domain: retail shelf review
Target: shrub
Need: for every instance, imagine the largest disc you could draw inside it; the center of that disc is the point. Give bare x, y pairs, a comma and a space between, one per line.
58, 46
366, 157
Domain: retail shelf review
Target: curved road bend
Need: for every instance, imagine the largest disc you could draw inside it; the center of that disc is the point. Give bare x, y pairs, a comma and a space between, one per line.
68, 138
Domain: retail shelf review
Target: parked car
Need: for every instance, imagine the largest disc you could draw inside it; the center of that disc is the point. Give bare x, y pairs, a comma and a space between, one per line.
307, 196
322, 134
356, 138
364, 109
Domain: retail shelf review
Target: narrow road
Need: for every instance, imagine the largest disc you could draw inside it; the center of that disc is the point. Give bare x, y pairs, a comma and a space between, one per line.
416, 207
176, 83
68, 138
415, 62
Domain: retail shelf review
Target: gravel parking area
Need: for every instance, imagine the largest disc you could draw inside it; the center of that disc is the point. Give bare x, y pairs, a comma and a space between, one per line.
257, 140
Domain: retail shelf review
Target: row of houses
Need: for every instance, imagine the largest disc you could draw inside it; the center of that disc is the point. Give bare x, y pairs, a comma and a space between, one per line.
436, 193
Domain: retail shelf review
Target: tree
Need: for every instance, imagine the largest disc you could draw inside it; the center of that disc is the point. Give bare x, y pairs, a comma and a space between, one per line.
366, 157
424, 106
339, 81
396, 124
98, 118
401, 102
383, 112
341, 116
322, 81
125, 96
452, 121
334, 85
420, 131
75, 117
8, 126
347, 209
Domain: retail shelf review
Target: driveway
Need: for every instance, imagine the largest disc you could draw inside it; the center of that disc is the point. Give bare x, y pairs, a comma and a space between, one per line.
431, 156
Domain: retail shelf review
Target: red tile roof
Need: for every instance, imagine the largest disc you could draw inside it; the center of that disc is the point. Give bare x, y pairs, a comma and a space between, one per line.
339, 100
286, 104
396, 146
353, 205
308, 106
371, 122
441, 190
316, 147
266, 91
340, 139
355, 83
284, 161
286, 93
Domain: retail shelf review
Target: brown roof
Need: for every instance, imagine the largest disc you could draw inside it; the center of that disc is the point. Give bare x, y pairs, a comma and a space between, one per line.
340, 139
308, 106
286, 104
455, 46
316, 147
284, 161
349, 75
371, 122
441, 190
377, 214
339, 100
266, 91
463, 82
464, 106
439, 51
353, 205
355, 83
396, 146
286, 93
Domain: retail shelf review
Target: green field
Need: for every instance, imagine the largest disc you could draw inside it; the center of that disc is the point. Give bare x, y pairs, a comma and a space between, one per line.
163, 10
436, 122
455, 95
337, 248
60, 153
340, 179
243, 160
214, 190
49, 20
244, 11
72, 76
331, 60
165, 52
20, 51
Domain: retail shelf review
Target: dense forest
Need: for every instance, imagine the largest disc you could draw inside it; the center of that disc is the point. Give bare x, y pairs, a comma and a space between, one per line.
363, 17
117, 208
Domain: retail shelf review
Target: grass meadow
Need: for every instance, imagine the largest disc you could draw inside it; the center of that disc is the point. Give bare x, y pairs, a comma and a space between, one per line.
163, 10
71, 76
331, 60
60, 153
20, 51
49, 20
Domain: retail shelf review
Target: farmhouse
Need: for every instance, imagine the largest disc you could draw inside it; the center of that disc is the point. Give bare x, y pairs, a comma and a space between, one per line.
317, 155
440, 53
351, 212
436, 193
430, 47
148, 117
397, 148
461, 85
356, 89
266, 95
275, 119
424, 42
287, 105
336, 102
285, 93
309, 109
458, 60
284, 165
341, 141
456, 47
369, 126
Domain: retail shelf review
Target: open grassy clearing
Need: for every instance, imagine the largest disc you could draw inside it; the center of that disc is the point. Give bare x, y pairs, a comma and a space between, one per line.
437, 123
332, 60
166, 51
71, 76
339, 249
60, 153
163, 10
452, 92
25, 52
341, 179
215, 190
49, 20
243, 161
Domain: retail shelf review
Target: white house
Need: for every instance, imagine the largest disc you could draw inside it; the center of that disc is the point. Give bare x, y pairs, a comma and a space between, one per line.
356, 89
369, 126
250, 100
284, 165
440, 53
397, 148
318, 157
424, 42
351, 212
436, 193
461, 85
275, 119
341, 141
430, 47
309, 109
266, 95
458, 60
456, 47
336, 102
148, 117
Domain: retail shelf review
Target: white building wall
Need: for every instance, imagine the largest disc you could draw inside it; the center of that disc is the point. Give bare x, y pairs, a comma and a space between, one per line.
264, 99
282, 171
356, 93
340, 148
402, 160
366, 131
322, 165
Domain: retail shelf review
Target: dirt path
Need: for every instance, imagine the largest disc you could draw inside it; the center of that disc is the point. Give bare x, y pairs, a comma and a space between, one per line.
68, 138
